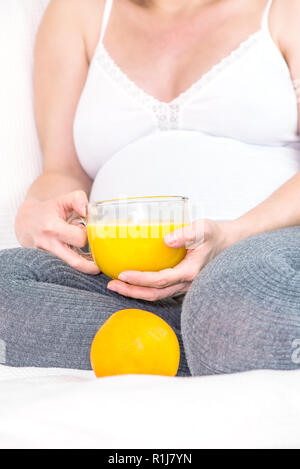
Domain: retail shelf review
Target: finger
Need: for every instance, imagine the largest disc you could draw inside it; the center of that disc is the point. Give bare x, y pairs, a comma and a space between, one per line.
65, 253
185, 271
75, 235
161, 279
74, 201
188, 236
144, 293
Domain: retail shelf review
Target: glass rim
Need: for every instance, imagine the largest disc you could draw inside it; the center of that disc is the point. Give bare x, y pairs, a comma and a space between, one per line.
145, 199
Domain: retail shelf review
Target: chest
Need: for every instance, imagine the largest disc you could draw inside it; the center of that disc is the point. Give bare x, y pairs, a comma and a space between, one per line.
231, 102
166, 57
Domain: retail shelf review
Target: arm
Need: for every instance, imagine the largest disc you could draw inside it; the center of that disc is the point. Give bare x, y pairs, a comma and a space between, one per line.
280, 210
61, 67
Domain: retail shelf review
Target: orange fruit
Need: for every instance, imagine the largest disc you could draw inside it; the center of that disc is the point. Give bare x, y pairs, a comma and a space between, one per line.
133, 341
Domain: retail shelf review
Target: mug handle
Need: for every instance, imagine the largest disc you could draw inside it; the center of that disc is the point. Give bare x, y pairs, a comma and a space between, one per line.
76, 220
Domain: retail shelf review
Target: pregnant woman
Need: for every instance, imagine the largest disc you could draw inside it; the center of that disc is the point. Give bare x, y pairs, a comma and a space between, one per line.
108, 73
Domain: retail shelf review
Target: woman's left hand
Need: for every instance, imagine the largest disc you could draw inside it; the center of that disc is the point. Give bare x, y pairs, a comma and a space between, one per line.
204, 239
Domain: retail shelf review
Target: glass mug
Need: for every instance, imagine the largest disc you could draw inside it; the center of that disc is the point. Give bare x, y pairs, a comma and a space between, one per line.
128, 234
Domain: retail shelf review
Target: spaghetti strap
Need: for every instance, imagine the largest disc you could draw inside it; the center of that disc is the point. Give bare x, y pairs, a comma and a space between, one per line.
265, 18
106, 15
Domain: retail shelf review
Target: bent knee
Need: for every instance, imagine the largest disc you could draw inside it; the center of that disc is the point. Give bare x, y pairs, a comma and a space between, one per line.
11, 260
266, 266
24, 263
242, 310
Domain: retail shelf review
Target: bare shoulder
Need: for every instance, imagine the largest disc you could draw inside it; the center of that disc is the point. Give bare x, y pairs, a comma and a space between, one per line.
75, 17
285, 18
76, 9
66, 33
285, 26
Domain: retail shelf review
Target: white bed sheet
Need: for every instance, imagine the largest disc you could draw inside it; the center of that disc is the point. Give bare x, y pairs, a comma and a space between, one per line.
50, 408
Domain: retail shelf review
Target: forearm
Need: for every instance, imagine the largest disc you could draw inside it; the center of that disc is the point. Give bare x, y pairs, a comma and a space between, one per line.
280, 210
54, 183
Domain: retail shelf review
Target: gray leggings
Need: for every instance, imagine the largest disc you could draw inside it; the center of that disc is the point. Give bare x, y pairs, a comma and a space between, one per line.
241, 313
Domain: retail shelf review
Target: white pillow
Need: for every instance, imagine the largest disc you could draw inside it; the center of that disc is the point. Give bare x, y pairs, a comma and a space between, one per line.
20, 155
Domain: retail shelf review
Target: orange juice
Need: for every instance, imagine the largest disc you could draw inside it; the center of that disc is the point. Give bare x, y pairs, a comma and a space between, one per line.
116, 248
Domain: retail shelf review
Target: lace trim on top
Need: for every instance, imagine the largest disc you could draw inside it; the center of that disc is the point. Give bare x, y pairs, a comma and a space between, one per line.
167, 113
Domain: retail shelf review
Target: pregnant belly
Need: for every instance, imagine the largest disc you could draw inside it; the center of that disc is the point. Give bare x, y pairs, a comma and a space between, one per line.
223, 178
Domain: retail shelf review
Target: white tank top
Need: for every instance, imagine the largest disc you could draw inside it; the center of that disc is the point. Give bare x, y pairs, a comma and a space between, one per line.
247, 100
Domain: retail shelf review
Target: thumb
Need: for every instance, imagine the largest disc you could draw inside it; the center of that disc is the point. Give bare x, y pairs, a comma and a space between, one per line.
189, 236
75, 201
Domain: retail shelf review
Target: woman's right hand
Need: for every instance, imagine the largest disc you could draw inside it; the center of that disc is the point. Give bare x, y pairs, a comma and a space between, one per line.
43, 225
